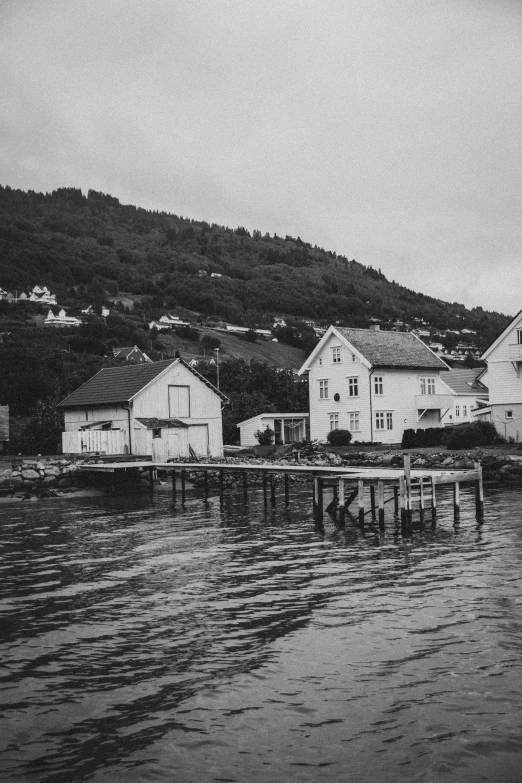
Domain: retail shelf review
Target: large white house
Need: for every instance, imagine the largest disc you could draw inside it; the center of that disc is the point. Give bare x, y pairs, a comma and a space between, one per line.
504, 379
375, 384
164, 410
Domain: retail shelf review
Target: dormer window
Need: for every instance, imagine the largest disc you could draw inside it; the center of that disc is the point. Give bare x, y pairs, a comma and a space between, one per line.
336, 354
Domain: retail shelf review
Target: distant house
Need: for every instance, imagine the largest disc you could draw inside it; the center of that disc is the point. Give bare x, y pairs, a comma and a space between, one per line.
173, 320
3, 294
91, 311
375, 384
61, 320
287, 427
504, 379
469, 394
163, 410
133, 355
41, 295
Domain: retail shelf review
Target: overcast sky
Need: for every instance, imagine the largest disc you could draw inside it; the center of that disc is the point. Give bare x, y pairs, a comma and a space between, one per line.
386, 130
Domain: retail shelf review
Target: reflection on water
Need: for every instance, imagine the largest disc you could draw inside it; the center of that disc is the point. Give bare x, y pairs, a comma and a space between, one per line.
142, 642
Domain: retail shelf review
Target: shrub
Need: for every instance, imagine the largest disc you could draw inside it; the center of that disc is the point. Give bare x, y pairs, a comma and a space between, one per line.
339, 437
209, 342
478, 433
409, 439
265, 437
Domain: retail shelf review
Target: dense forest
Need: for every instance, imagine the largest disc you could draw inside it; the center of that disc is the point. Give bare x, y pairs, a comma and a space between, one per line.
92, 250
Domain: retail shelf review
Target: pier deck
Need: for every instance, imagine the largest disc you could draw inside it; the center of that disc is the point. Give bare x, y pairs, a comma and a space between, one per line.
409, 486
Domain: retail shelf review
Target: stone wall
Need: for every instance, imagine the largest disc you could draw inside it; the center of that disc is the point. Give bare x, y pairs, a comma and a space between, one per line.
41, 477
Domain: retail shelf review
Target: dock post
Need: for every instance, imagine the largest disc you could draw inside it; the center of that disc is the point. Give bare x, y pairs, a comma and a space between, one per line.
315, 492
264, 488
402, 490
407, 479
380, 487
372, 500
287, 492
182, 486
360, 501
340, 493
396, 499
221, 485
205, 485
245, 486
433, 503
456, 502
320, 499
173, 486
151, 479
479, 494
272, 489
421, 499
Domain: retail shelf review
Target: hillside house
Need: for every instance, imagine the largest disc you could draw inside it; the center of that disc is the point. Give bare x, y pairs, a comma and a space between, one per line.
163, 410
469, 394
61, 320
133, 355
41, 295
287, 427
375, 384
504, 379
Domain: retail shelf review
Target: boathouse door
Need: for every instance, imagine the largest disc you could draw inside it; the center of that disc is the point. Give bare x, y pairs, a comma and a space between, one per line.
198, 439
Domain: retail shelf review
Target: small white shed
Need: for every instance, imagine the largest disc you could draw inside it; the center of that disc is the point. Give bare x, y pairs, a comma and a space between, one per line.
287, 427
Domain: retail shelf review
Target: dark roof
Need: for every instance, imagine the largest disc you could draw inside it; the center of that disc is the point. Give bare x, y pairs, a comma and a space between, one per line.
392, 349
115, 385
154, 424
463, 380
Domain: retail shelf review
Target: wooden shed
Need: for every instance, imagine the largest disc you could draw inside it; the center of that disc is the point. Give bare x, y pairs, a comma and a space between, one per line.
164, 410
287, 427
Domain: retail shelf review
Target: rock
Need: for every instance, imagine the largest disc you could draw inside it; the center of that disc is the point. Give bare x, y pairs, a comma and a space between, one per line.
28, 474
50, 470
49, 481
420, 463
64, 481
447, 462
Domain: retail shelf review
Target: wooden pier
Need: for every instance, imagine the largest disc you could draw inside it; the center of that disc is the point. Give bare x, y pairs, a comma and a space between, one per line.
408, 489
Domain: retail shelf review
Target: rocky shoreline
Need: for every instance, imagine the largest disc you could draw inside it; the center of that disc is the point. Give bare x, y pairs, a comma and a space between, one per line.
53, 477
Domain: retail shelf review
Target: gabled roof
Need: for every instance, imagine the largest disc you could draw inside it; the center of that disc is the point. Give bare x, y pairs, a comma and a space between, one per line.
393, 350
118, 385
501, 336
464, 381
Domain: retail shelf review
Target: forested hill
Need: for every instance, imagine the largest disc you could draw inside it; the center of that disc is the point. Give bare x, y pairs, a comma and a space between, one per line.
87, 249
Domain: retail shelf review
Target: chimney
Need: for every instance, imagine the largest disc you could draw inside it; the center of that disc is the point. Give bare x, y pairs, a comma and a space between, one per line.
375, 328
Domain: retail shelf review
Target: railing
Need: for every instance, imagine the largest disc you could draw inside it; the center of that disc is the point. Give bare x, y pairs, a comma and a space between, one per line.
433, 401
87, 441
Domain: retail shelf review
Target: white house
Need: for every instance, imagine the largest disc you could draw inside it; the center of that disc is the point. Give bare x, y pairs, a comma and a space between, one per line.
164, 410
131, 354
469, 394
375, 384
504, 379
287, 427
61, 319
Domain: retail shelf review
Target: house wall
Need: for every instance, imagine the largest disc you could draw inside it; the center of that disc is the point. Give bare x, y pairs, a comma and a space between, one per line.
461, 402
400, 388
504, 382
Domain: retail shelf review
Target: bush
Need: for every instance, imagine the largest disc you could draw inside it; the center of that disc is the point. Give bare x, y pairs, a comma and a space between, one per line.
339, 437
209, 342
265, 437
431, 436
478, 433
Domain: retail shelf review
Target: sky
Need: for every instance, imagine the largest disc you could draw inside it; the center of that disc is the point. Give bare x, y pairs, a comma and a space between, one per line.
386, 130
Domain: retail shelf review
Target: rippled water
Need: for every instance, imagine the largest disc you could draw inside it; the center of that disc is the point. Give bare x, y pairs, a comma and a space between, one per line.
145, 643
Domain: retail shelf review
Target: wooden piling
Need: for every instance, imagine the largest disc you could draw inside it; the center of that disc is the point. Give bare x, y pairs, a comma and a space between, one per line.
320, 498
407, 480
205, 485
340, 493
173, 486
287, 490
380, 487
182, 486
264, 488
421, 499
245, 486
456, 501
402, 491
372, 500
221, 485
272, 489
479, 494
433, 502
360, 501
396, 499
151, 479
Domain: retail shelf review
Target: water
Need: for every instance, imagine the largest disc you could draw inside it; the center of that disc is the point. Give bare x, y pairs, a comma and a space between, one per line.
143, 643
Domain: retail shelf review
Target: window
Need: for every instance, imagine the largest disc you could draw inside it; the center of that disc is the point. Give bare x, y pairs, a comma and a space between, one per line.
353, 387
464, 410
320, 360
354, 422
427, 385
156, 433
353, 358
336, 354
457, 411
334, 421
509, 414
323, 390
384, 420
378, 384
519, 336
